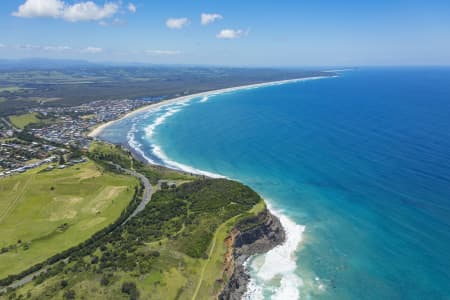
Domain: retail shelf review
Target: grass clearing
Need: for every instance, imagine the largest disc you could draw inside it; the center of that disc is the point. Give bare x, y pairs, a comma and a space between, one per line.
20, 121
53, 211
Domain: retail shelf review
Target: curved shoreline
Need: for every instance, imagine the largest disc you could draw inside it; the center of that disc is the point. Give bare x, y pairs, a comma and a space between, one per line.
288, 246
153, 106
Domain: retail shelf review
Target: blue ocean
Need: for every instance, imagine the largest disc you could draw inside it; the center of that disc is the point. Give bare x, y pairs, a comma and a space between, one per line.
357, 166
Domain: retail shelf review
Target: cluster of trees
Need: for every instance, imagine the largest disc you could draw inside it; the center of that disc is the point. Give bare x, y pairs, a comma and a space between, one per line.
108, 153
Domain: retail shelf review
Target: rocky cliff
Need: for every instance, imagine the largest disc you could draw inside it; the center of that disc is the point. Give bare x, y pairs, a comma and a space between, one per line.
253, 235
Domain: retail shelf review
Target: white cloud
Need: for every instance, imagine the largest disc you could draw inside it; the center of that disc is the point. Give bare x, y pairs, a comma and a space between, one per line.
89, 11
2, 46
210, 18
29, 47
163, 52
92, 50
81, 11
56, 48
131, 7
174, 23
230, 34
40, 8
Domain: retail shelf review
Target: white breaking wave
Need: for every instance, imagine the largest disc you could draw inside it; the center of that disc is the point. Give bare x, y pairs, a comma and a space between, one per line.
131, 138
179, 166
158, 121
157, 151
204, 99
280, 263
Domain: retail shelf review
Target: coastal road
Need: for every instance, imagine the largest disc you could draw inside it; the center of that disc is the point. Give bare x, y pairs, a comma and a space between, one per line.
145, 200
147, 190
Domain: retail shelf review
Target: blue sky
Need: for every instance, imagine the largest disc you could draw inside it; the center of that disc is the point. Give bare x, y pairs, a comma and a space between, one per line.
253, 33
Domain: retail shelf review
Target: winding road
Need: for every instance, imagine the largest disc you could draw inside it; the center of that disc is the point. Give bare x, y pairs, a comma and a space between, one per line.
147, 190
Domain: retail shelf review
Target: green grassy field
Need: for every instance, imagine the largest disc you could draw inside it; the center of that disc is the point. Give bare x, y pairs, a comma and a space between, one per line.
43, 213
20, 121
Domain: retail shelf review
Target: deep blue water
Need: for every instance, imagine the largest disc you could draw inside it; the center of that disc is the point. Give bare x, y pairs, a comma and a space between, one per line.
361, 160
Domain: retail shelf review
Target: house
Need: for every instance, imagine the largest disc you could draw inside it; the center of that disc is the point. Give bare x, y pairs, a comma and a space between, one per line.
166, 184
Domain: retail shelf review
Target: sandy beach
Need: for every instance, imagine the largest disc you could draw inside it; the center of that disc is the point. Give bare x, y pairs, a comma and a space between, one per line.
154, 106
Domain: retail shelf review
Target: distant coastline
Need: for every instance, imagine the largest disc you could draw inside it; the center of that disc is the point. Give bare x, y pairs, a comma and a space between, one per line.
95, 132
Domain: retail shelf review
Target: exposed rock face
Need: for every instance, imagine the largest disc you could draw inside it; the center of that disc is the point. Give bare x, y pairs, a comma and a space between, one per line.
255, 236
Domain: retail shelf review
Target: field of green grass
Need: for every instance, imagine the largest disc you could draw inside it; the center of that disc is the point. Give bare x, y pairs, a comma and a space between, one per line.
45, 212
20, 121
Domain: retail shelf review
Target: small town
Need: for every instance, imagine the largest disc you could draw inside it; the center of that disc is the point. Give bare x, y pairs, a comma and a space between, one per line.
43, 134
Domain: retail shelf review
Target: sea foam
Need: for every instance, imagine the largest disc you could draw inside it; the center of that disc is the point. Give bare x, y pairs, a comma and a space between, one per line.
179, 166
133, 143
278, 263
160, 120
204, 99
156, 150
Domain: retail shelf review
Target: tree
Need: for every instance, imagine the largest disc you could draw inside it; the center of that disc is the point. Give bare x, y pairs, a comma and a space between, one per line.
69, 294
130, 289
94, 259
104, 281
64, 283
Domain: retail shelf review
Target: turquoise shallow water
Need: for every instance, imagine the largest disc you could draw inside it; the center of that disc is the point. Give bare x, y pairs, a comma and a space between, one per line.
361, 160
